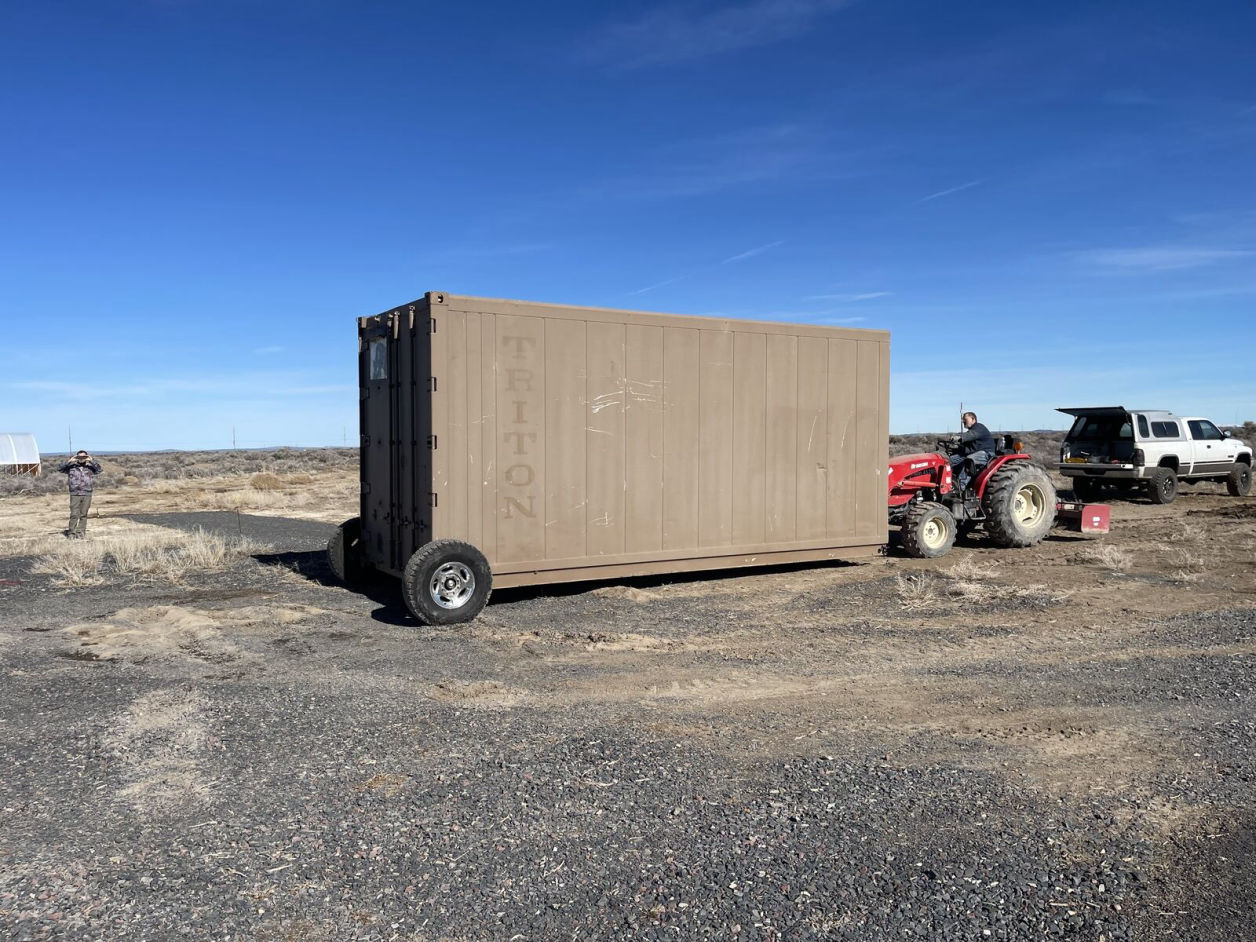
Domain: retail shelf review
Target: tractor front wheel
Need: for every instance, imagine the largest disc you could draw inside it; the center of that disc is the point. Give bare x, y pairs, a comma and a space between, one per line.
928, 531
1019, 505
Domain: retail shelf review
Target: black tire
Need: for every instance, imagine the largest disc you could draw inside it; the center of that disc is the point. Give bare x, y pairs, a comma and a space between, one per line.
1086, 489
446, 582
344, 553
1162, 486
928, 531
1020, 505
1239, 483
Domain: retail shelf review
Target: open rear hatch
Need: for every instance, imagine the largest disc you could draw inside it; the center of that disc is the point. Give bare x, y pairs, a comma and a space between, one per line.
1100, 435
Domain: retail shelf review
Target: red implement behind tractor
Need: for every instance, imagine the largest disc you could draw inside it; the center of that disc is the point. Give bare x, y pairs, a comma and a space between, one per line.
1010, 498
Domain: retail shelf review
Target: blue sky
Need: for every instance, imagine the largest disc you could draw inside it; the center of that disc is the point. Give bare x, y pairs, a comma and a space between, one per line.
1047, 204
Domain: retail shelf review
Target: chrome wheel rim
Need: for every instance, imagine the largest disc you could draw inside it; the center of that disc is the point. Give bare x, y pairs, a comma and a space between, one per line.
1029, 505
452, 585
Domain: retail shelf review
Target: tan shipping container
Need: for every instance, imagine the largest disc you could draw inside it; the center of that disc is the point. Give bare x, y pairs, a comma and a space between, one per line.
567, 443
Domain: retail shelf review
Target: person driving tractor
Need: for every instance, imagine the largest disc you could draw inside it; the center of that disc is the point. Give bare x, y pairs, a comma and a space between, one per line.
974, 451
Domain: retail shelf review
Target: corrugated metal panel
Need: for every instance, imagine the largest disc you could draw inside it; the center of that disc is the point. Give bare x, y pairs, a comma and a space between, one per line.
18, 448
582, 442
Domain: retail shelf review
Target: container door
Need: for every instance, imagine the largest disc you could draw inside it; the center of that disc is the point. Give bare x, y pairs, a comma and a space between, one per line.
396, 435
377, 373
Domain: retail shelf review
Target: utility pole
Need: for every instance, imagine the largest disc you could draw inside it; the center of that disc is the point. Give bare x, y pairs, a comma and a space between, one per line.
70, 438
233, 438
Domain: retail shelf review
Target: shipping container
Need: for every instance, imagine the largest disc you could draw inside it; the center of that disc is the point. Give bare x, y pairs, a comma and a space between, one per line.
509, 443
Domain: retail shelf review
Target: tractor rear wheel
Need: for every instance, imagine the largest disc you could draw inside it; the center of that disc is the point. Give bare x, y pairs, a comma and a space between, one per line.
928, 531
1019, 504
1162, 486
1239, 483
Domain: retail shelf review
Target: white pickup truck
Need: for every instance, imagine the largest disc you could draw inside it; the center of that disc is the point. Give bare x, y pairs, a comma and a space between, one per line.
1150, 449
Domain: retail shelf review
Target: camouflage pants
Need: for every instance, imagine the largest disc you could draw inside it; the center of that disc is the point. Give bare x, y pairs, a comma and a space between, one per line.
79, 503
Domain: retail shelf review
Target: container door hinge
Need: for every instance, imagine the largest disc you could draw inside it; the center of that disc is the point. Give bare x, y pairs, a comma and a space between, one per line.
433, 496
431, 442
432, 322
432, 383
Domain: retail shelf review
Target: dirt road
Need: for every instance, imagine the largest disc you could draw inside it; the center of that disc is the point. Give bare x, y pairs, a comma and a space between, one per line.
1050, 743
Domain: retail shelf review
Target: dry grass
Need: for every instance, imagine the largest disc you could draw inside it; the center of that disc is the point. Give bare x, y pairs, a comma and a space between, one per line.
970, 570
1109, 557
159, 555
917, 590
969, 583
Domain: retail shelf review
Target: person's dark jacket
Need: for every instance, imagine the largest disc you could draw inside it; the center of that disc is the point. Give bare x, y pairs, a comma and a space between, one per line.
82, 476
975, 439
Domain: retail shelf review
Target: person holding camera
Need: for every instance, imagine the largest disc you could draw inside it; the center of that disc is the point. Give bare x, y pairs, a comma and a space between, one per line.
82, 470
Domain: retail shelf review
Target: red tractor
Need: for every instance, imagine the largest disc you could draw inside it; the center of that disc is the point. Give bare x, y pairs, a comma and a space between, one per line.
1011, 498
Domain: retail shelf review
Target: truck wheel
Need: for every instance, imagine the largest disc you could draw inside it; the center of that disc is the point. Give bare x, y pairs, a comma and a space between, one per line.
344, 553
928, 531
1239, 483
1162, 486
1020, 505
446, 582
1086, 489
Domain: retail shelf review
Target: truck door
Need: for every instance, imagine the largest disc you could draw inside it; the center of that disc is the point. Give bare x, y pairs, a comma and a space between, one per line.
1208, 445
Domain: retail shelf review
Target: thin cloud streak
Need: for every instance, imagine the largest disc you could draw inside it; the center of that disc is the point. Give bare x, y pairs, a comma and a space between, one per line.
750, 253
679, 34
789, 154
669, 281
955, 189
849, 298
1152, 259
834, 318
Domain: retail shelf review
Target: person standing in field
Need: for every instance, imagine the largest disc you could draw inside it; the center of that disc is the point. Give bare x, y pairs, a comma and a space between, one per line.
82, 470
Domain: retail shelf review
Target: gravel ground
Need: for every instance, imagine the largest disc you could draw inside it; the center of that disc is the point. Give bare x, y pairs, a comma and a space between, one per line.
263, 755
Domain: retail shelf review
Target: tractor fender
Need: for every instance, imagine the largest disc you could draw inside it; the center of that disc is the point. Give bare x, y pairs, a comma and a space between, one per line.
979, 485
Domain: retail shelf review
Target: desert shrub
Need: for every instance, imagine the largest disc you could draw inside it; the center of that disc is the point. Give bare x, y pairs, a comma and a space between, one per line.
266, 481
177, 466
13, 485
1042, 446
